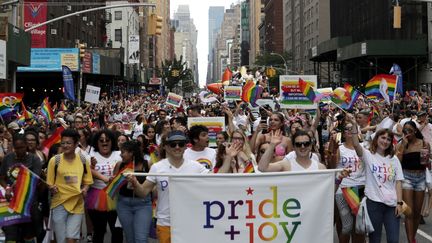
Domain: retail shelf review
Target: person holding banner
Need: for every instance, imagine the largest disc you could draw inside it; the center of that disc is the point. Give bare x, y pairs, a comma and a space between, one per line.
383, 183
302, 161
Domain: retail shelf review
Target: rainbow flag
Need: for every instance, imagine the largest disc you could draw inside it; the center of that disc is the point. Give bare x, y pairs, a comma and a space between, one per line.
8, 217
118, 181
53, 139
154, 157
251, 92
352, 197
24, 190
381, 86
27, 114
8, 102
63, 107
249, 168
46, 110
307, 90
355, 94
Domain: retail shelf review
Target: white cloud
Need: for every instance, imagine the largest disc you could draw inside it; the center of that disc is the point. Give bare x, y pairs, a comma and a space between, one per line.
199, 13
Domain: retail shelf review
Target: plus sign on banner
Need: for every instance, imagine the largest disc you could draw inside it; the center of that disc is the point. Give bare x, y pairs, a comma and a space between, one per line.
275, 207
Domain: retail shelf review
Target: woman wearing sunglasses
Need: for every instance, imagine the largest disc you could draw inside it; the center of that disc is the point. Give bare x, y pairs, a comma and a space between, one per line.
242, 160
383, 187
101, 208
346, 157
413, 152
303, 161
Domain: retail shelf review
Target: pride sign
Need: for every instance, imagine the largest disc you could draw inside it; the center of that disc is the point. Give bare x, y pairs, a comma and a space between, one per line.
233, 92
174, 99
214, 124
268, 207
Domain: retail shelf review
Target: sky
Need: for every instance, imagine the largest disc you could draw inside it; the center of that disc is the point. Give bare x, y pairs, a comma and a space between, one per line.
199, 14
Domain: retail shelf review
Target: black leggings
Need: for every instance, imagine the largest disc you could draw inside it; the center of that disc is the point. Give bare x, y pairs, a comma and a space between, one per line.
100, 220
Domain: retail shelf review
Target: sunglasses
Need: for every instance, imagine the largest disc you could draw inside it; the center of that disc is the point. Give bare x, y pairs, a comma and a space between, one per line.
174, 144
407, 131
302, 144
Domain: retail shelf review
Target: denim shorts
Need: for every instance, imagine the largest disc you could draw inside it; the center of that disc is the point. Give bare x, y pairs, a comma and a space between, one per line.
66, 225
414, 180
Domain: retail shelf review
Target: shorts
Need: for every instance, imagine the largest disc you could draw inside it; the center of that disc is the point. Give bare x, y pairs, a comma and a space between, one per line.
66, 225
163, 233
414, 180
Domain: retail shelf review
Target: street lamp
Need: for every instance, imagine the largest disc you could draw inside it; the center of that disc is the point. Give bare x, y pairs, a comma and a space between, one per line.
285, 63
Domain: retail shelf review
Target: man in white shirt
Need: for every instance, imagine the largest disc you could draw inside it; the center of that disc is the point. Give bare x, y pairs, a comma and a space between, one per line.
175, 163
198, 136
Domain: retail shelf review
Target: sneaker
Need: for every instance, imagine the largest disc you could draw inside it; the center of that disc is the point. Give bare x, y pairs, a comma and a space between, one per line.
422, 221
89, 238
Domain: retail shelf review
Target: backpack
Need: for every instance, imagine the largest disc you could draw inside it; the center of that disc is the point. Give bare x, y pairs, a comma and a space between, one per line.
57, 162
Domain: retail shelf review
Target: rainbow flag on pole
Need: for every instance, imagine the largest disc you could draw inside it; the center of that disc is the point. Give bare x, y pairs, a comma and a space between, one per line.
355, 94
381, 86
352, 197
249, 168
10, 218
118, 181
53, 139
47, 111
251, 92
24, 191
8, 102
307, 90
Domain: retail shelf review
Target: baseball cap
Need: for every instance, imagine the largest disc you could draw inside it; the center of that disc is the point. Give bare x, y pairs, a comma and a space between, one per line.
176, 136
13, 126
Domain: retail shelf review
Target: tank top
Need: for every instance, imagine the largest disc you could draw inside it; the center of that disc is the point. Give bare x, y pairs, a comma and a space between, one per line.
411, 161
295, 166
126, 192
348, 159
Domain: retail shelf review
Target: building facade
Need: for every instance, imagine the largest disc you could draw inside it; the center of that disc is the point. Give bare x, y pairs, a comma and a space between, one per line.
256, 16
215, 14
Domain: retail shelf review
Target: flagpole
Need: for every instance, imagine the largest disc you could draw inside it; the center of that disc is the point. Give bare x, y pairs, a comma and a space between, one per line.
31, 172
394, 94
339, 107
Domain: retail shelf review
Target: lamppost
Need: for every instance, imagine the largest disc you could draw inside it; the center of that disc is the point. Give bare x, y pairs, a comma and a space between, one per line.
285, 63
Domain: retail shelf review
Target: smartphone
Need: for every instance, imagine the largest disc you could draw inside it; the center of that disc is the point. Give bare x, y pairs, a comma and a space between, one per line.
263, 121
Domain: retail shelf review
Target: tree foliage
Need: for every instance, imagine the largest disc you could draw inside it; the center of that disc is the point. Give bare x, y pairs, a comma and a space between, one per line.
172, 71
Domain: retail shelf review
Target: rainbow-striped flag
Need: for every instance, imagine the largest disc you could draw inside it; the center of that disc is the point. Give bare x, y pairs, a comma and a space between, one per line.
47, 111
118, 181
154, 156
355, 94
53, 139
24, 191
381, 86
8, 217
249, 168
8, 102
27, 114
307, 90
251, 92
63, 107
352, 197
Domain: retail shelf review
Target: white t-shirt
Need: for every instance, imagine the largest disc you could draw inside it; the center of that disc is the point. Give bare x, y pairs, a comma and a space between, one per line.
381, 176
427, 132
295, 166
137, 130
348, 159
207, 157
105, 166
292, 156
162, 184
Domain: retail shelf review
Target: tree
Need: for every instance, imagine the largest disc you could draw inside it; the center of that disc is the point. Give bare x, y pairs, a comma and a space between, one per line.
174, 71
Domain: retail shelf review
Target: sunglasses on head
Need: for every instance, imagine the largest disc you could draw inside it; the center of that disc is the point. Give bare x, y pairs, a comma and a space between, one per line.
302, 144
174, 144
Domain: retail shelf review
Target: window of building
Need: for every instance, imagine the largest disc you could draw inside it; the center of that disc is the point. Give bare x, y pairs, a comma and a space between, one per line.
117, 15
118, 35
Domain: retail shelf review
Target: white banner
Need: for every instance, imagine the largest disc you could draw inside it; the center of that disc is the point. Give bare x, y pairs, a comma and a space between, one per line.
92, 94
3, 59
134, 53
276, 207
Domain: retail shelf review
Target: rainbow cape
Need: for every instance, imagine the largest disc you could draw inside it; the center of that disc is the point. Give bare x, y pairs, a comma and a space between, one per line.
24, 191
351, 196
355, 94
251, 92
380, 86
8, 102
118, 181
53, 139
307, 90
47, 111
249, 168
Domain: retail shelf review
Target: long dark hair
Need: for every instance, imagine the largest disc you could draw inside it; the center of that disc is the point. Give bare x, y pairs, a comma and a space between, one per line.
134, 148
417, 132
110, 135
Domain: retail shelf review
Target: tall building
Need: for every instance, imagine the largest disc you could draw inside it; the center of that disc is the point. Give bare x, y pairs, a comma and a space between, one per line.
185, 39
216, 14
272, 25
255, 17
245, 33
163, 41
306, 23
225, 41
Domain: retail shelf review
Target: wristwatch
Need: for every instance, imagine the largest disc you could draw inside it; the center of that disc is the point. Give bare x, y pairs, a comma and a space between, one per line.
400, 203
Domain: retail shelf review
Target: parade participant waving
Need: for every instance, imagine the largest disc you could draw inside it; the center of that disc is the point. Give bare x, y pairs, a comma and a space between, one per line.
135, 213
100, 206
383, 182
413, 152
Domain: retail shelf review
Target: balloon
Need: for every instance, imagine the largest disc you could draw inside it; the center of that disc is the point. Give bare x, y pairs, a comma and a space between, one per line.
243, 72
227, 75
341, 94
215, 88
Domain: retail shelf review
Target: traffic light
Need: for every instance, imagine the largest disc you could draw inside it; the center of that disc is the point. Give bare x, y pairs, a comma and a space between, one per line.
154, 25
175, 73
82, 50
397, 16
270, 72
